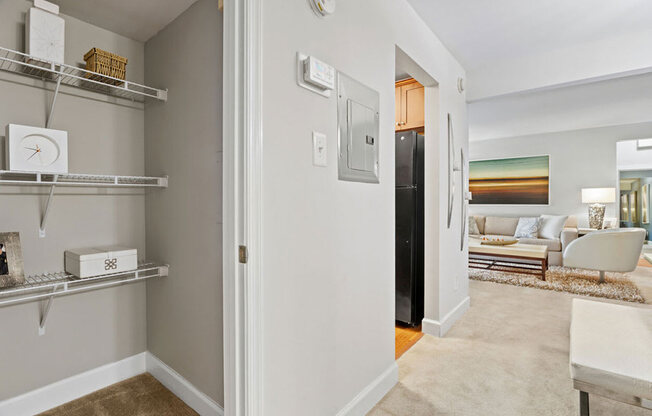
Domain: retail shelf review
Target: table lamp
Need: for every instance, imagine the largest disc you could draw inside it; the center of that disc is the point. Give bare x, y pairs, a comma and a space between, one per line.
597, 197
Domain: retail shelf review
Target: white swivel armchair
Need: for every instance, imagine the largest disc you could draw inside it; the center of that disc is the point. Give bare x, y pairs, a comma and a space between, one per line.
615, 250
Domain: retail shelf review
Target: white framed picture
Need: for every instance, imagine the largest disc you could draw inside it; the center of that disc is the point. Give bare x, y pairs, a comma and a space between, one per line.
45, 35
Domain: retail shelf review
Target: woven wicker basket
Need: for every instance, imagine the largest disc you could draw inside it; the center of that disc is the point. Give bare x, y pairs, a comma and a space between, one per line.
105, 63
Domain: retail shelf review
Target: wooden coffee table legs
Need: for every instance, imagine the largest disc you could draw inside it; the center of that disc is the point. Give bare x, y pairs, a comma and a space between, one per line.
515, 264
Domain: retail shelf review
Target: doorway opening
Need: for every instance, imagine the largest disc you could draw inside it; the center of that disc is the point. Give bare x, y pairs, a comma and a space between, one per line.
634, 191
412, 88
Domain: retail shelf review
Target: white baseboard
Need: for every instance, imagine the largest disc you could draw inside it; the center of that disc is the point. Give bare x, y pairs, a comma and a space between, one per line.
71, 388
440, 328
182, 388
370, 395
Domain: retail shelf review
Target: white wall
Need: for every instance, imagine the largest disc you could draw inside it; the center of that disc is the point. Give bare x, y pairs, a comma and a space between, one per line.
183, 138
328, 245
632, 158
88, 330
578, 159
600, 104
566, 64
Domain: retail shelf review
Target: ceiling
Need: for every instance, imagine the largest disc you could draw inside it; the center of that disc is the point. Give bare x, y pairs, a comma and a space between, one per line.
480, 32
135, 19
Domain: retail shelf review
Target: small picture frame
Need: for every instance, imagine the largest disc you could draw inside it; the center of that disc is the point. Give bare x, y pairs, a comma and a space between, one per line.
11, 260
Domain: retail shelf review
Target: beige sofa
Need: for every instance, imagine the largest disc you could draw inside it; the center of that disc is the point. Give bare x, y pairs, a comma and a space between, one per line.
506, 226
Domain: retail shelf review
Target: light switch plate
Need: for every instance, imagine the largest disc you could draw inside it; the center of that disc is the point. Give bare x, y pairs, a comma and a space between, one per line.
319, 149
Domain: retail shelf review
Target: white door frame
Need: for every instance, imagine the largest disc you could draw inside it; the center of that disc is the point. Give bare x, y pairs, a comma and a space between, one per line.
242, 206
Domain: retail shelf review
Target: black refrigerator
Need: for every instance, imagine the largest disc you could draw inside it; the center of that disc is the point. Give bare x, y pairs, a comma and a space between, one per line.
409, 227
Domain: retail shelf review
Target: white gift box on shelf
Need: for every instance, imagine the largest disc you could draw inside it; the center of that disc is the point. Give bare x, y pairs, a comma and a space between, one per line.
97, 261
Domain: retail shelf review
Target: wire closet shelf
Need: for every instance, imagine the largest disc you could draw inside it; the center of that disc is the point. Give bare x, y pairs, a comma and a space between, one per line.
80, 180
22, 64
48, 285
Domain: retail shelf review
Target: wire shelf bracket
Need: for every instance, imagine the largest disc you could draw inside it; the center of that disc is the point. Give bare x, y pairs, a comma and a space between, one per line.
46, 287
25, 178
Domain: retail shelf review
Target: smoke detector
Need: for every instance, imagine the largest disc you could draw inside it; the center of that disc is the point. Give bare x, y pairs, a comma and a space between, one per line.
323, 8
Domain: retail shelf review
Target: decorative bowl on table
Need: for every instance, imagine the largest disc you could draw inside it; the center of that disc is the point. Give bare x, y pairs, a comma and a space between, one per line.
498, 241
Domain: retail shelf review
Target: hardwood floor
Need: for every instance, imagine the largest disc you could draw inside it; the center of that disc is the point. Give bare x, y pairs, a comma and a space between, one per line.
405, 338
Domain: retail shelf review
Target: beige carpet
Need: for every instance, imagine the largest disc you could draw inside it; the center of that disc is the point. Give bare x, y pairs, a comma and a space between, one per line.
563, 279
646, 260
142, 395
507, 356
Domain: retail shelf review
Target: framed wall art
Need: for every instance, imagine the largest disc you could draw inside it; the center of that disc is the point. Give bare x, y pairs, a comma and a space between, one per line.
11, 260
510, 181
451, 170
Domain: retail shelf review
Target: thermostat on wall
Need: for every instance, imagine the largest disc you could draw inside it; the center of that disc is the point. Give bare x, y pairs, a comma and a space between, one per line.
315, 75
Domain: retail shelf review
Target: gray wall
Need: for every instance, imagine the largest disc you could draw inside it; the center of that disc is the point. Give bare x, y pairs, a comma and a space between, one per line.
578, 159
184, 224
105, 136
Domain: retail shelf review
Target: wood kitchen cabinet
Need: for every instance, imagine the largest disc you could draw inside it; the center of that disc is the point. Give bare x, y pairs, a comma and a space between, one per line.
410, 105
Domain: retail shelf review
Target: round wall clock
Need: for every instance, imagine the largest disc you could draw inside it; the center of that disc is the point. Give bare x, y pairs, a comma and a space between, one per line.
39, 150
36, 149
323, 7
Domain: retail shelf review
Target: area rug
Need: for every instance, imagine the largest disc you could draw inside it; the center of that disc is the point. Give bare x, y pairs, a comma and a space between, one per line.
564, 279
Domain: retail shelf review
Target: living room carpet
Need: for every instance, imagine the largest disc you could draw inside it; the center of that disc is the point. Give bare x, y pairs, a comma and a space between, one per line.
646, 260
564, 279
507, 356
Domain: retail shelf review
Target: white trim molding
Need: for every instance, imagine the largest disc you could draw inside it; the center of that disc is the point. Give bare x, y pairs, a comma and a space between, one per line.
364, 401
242, 202
440, 328
181, 387
71, 388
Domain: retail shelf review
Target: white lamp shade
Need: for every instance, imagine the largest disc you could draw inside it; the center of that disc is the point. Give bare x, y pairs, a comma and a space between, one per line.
598, 195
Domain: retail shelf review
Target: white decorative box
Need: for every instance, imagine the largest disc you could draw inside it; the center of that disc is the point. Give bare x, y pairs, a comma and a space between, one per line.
96, 261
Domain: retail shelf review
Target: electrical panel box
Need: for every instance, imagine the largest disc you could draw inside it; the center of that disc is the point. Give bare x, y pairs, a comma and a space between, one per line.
358, 129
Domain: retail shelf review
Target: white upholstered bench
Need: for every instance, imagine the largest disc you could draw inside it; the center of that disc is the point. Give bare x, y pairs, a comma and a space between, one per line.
611, 352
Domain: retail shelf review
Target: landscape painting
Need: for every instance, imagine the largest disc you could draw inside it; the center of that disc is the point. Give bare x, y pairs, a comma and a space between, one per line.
513, 181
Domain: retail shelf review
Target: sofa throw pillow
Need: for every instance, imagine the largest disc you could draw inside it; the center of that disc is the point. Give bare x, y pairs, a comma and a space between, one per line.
528, 227
551, 226
473, 226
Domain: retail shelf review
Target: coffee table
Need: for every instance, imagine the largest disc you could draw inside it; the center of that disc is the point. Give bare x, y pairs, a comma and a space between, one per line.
520, 258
